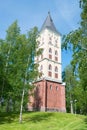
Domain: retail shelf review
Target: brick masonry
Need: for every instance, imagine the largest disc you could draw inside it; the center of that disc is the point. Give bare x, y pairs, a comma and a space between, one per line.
47, 96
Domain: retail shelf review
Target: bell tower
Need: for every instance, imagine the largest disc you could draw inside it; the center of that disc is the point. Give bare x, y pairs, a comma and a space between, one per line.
49, 90
50, 60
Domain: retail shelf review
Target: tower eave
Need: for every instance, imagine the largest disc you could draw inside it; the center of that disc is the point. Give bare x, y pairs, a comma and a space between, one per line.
49, 79
56, 32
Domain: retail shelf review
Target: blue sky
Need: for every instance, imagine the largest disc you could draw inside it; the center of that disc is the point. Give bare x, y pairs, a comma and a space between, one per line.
30, 13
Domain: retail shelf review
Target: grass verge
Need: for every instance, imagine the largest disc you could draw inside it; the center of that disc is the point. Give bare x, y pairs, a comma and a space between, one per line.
43, 121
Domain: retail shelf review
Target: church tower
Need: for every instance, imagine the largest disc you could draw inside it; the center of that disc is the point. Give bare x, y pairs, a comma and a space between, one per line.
49, 93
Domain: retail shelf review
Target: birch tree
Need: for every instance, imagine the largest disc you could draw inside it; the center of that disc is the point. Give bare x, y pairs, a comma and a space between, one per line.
77, 41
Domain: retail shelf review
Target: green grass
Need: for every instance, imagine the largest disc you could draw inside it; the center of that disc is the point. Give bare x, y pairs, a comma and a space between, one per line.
43, 121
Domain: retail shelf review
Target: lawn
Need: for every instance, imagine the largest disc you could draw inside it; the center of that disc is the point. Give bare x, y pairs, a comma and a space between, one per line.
43, 121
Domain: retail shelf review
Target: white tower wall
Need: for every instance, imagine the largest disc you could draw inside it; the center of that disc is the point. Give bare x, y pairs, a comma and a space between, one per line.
50, 40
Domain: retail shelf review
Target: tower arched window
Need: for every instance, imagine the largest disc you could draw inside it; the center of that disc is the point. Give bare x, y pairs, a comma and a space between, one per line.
50, 53
50, 67
50, 50
56, 69
50, 38
56, 72
56, 53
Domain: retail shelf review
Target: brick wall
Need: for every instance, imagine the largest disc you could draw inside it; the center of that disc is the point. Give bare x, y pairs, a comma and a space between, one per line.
48, 96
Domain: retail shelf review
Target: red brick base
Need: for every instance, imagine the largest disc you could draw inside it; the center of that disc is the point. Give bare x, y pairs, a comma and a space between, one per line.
48, 96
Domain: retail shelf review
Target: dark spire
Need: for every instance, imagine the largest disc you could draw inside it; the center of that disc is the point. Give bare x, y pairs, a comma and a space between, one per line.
48, 23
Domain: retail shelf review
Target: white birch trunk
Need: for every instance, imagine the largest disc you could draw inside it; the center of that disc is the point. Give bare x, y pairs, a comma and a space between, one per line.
22, 100
20, 119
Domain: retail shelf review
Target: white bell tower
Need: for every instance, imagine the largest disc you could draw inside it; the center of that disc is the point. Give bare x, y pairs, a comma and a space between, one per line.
49, 93
50, 60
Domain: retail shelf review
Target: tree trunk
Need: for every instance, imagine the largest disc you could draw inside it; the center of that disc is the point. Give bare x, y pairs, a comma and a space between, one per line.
71, 104
7, 106
20, 119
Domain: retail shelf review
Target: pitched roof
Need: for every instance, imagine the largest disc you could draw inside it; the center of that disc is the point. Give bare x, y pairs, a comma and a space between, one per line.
48, 23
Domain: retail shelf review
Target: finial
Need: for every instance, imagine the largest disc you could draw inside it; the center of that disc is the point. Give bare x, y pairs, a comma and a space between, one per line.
48, 12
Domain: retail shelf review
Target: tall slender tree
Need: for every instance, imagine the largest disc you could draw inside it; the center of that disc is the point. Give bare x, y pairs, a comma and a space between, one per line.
71, 82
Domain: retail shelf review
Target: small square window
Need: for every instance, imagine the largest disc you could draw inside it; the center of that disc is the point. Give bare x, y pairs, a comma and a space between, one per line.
50, 38
56, 58
50, 56
50, 74
56, 75
50, 42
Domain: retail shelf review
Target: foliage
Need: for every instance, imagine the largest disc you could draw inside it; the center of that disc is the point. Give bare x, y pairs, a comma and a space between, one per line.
17, 53
71, 82
77, 41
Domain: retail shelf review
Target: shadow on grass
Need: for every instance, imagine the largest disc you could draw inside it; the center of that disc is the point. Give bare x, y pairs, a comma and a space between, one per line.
39, 116
30, 117
85, 120
8, 117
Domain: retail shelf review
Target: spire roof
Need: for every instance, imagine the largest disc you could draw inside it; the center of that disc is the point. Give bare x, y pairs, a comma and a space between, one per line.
48, 23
